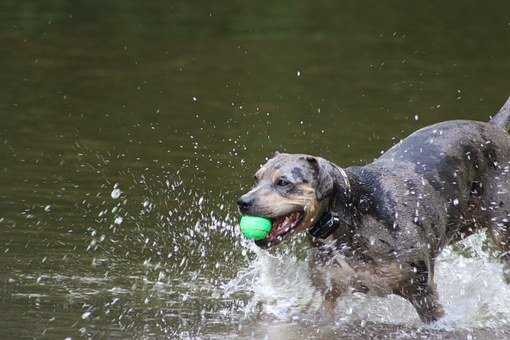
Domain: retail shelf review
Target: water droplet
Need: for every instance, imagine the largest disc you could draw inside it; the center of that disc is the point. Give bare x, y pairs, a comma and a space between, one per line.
116, 193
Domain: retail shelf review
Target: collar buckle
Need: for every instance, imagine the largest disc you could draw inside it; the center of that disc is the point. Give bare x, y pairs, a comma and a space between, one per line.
325, 226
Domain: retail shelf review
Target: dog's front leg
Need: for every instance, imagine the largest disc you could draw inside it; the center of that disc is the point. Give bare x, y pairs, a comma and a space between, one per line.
329, 289
329, 303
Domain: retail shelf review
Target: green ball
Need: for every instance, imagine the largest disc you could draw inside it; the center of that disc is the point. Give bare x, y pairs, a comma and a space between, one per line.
255, 228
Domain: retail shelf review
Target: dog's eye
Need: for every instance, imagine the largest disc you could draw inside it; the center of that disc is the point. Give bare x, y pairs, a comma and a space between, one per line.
282, 182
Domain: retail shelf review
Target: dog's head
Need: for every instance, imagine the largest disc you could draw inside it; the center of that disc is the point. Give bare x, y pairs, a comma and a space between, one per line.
292, 190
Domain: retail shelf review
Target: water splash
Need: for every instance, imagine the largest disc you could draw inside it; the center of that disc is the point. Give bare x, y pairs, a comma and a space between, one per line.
178, 266
469, 280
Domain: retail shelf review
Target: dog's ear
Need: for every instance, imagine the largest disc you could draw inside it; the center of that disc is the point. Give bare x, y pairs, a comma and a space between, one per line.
332, 178
323, 176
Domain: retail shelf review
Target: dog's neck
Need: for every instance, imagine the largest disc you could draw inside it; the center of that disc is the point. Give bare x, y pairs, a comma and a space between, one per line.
339, 211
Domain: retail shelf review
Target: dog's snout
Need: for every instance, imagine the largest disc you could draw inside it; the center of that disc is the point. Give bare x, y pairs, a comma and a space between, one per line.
244, 203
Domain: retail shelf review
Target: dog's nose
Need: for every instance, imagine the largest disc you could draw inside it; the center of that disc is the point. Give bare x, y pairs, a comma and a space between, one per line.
244, 203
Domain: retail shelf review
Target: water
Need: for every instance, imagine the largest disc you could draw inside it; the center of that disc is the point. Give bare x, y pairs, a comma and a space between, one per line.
128, 130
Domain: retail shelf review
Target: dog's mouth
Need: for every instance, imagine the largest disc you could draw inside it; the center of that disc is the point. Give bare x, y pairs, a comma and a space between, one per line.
282, 227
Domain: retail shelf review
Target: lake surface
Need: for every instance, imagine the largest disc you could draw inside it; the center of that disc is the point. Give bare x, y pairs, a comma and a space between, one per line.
129, 129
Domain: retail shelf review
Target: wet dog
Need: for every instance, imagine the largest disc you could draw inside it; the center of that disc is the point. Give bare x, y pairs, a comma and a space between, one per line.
378, 228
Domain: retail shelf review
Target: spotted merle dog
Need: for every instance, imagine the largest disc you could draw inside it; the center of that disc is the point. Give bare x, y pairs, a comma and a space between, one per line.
377, 228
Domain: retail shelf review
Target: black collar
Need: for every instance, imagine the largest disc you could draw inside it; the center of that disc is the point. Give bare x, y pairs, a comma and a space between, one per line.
327, 224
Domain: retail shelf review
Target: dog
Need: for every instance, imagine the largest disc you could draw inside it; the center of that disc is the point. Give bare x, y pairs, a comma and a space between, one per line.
378, 228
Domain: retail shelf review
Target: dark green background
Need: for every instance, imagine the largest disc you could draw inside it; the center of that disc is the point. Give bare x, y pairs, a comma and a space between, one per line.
95, 93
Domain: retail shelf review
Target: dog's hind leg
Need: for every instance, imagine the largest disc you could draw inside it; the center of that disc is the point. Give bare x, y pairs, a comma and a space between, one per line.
420, 290
500, 233
498, 212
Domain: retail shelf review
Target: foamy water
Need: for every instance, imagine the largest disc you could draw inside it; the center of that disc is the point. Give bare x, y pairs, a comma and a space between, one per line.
469, 280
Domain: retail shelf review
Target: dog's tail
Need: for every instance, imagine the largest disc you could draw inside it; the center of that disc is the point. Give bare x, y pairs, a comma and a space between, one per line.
502, 118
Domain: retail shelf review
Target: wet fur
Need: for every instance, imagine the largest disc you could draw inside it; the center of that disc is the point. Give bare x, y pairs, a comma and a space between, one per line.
437, 186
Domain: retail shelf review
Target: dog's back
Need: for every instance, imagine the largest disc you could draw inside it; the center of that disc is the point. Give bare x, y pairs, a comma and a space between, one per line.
463, 164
